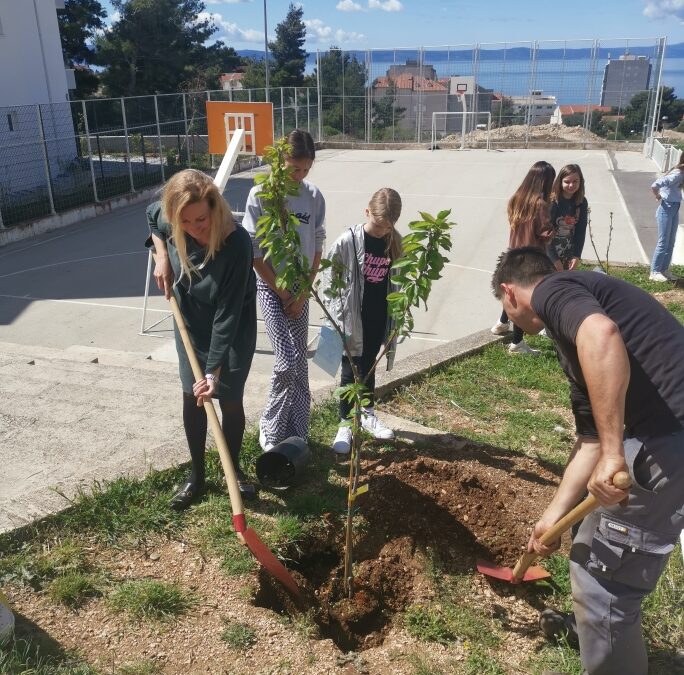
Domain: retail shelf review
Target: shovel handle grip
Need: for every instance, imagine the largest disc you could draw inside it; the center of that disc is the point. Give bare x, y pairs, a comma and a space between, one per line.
216, 430
621, 480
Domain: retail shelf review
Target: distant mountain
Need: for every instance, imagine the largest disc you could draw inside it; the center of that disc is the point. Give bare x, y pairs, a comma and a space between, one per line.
673, 51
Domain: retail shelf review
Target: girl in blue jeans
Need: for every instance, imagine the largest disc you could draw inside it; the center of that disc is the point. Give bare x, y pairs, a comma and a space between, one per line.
668, 191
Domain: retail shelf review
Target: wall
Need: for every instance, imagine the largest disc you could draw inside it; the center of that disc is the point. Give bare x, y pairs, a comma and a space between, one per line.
32, 72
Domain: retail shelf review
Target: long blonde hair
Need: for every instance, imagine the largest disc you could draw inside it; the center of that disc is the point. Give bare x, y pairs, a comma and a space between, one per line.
385, 204
189, 187
533, 193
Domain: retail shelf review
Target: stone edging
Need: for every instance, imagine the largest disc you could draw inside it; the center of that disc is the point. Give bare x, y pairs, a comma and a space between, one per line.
417, 366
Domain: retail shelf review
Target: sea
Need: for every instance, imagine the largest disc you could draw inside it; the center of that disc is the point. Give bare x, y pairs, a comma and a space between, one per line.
575, 79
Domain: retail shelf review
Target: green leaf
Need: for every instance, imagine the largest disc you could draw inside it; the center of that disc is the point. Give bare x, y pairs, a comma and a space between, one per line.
428, 218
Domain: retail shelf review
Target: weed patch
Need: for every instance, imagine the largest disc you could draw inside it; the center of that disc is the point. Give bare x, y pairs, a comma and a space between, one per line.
147, 599
238, 635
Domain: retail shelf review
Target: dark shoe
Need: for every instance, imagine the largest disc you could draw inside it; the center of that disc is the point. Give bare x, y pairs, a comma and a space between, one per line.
246, 487
187, 494
559, 625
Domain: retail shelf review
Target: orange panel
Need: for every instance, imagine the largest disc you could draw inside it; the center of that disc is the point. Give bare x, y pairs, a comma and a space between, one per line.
216, 126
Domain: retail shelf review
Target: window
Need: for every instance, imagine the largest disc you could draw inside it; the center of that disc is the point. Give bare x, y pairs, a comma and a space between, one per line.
12, 120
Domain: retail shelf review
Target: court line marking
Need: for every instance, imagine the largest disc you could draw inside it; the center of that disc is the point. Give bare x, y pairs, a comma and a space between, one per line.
39, 243
465, 267
71, 262
81, 302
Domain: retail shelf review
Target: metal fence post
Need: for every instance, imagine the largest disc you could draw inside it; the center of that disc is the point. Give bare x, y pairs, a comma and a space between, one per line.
369, 96
533, 78
128, 147
211, 156
46, 159
90, 150
296, 109
651, 125
318, 94
308, 111
161, 147
187, 140
589, 113
282, 113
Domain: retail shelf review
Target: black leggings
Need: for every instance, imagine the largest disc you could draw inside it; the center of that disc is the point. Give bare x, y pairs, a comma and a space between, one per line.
373, 336
517, 332
195, 423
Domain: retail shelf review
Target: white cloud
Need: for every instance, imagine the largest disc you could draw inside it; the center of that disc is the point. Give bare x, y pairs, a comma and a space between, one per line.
226, 2
232, 30
317, 29
348, 6
319, 32
342, 36
665, 9
387, 5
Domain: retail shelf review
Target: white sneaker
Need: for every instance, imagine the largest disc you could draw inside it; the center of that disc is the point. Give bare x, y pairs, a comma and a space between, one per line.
669, 276
501, 328
523, 348
342, 443
265, 445
657, 276
375, 427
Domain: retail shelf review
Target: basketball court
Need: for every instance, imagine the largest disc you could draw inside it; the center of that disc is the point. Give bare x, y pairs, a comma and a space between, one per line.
75, 295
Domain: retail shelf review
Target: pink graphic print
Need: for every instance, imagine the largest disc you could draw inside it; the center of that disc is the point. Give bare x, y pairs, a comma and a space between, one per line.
375, 268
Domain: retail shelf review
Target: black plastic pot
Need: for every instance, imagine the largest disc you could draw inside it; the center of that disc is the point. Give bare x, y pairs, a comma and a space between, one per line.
279, 467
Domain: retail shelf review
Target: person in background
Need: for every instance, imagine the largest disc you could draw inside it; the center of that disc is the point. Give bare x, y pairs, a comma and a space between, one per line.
530, 225
205, 260
620, 350
367, 252
285, 314
668, 191
569, 216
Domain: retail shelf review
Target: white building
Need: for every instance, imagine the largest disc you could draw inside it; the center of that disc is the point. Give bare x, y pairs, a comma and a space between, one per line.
537, 108
31, 73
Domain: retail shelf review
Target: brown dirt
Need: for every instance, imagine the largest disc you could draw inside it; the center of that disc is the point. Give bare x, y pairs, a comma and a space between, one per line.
459, 501
673, 295
539, 132
454, 502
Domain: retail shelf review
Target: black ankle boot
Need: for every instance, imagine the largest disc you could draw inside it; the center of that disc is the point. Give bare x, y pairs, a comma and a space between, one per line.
188, 493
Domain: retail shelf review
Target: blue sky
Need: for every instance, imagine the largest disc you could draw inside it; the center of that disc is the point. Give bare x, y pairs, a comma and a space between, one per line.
365, 24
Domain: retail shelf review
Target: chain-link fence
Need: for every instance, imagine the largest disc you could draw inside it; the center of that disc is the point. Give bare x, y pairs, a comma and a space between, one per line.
536, 92
55, 157
592, 92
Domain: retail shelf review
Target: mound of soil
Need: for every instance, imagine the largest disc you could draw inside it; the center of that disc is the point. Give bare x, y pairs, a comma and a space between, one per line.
455, 502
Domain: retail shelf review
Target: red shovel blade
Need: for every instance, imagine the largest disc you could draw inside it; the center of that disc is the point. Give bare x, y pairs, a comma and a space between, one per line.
272, 565
534, 573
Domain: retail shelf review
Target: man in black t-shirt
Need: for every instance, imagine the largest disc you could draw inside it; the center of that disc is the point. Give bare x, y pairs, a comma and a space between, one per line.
623, 354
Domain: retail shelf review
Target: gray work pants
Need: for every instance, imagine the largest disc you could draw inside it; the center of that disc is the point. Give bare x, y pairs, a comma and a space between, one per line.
618, 554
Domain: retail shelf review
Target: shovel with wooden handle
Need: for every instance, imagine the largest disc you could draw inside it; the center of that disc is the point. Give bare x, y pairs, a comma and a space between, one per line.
246, 534
522, 570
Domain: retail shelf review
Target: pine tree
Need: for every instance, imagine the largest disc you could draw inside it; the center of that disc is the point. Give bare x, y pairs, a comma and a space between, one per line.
78, 22
287, 52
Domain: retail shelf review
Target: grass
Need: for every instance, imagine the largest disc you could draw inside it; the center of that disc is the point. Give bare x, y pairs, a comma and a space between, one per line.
23, 657
517, 403
450, 616
238, 636
36, 565
73, 589
151, 600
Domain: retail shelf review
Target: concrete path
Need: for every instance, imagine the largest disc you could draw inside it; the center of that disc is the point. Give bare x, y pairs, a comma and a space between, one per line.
75, 295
